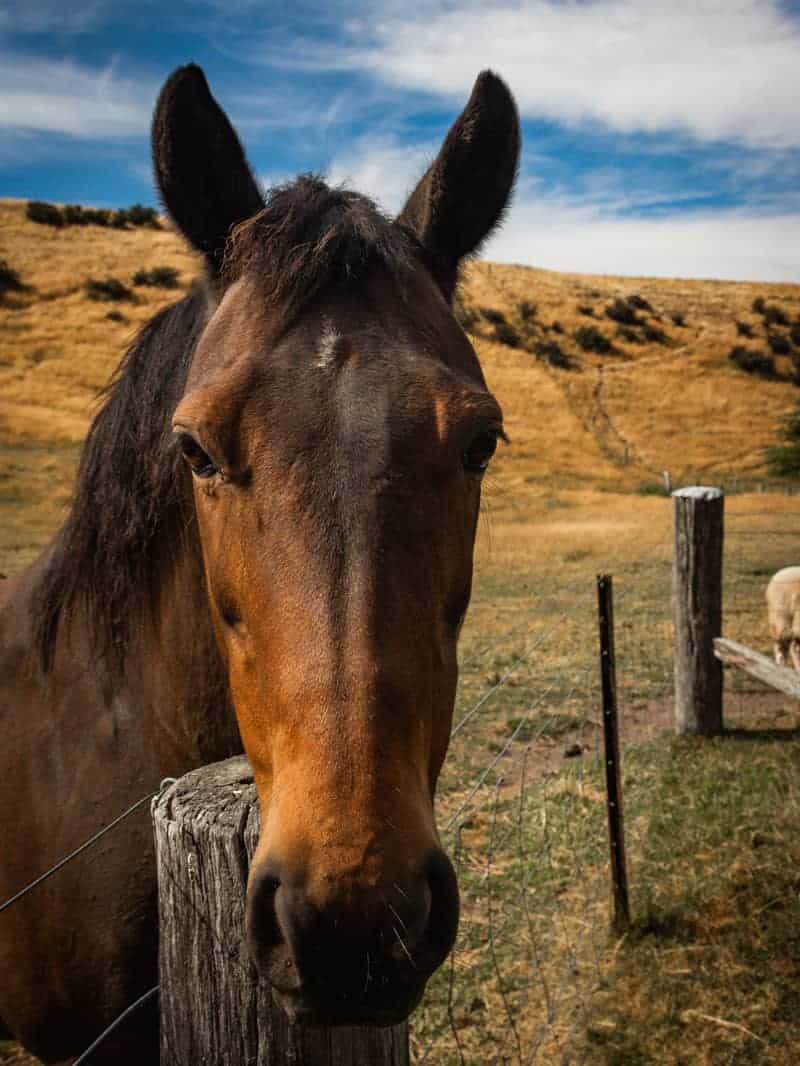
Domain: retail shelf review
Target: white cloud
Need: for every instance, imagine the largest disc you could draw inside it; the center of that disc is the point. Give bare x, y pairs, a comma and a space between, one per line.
599, 230
382, 167
718, 70
581, 237
63, 97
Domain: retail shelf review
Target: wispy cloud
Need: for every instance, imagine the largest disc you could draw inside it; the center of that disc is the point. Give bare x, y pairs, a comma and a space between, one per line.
383, 167
718, 70
38, 94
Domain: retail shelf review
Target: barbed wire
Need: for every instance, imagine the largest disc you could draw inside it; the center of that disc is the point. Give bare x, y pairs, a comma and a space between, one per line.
140, 1002
86, 844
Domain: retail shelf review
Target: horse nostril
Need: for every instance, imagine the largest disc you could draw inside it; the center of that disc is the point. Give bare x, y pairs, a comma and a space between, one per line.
263, 925
444, 906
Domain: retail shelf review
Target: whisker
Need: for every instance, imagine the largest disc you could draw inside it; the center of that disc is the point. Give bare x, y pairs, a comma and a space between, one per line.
402, 944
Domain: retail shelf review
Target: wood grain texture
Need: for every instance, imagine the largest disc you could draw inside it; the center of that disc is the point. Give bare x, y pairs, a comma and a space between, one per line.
752, 662
214, 1009
697, 608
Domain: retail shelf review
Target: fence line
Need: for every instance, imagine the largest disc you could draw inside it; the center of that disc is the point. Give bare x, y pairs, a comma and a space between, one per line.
86, 844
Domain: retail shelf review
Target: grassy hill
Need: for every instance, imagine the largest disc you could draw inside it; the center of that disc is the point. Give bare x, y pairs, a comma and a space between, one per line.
664, 396
605, 383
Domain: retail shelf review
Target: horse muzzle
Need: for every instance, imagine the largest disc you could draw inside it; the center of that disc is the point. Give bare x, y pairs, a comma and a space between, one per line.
343, 951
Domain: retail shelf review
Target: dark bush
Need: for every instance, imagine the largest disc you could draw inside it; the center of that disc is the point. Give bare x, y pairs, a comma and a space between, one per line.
162, 277
139, 215
116, 316
591, 339
621, 311
778, 342
47, 214
10, 280
744, 329
774, 316
678, 318
557, 327
505, 333
759, 305
552, 354
752, 362
74, 215
794, 333
654, 335
108, 289
632, 336
585, 309
653, 488
639, 303
492, 315
783, 460
526, 310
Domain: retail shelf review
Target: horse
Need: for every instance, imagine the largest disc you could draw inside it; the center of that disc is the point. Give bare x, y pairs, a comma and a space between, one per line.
783, 611
269, 549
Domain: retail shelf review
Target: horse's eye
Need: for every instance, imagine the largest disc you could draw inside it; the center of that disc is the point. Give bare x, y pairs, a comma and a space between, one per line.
476, 458
199, 461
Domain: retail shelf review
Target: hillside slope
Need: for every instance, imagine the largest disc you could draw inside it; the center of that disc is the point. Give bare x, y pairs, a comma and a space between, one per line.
664, 397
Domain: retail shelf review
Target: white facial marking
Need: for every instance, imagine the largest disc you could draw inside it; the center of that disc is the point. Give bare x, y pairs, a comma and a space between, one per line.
328, 340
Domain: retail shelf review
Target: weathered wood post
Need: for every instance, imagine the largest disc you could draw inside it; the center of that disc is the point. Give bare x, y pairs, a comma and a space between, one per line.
697, 608
214, 1009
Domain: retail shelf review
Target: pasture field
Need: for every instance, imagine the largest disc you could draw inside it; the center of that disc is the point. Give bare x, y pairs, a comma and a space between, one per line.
709, 972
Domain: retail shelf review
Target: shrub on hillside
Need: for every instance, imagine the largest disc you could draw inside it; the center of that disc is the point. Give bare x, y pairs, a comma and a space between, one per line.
632, 336
758, 305
752, 362
116, 316
591, 339
654, 334
794, 333
621, 311
586, 309
107, 289
10, 281
526, 310
551, 353
778, 342
492, 315
139, 215
161, 277
639, 303
505, 333
775, 316
744, 329
557, 327
783, 460
44, 213
678, 318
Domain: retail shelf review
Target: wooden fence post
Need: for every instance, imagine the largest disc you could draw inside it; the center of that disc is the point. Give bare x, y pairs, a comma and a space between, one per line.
214, 1010
697, 608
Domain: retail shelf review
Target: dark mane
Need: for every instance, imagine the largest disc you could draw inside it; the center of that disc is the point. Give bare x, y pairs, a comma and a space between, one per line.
310, 237
128, 514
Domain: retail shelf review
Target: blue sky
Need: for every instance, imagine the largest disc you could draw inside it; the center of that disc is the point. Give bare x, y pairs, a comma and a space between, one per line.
660, 138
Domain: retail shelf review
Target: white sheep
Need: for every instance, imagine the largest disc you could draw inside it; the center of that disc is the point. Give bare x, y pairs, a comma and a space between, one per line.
783, 606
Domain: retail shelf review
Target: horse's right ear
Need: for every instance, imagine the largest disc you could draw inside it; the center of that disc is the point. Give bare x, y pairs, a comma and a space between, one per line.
203, 176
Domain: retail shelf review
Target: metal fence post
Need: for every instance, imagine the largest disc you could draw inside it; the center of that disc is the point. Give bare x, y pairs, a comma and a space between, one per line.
608, 676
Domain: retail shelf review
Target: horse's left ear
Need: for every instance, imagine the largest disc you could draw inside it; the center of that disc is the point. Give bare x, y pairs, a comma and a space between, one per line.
465, 191
200, 166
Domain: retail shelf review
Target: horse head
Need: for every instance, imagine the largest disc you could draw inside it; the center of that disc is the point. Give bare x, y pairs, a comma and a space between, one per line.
336, 427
